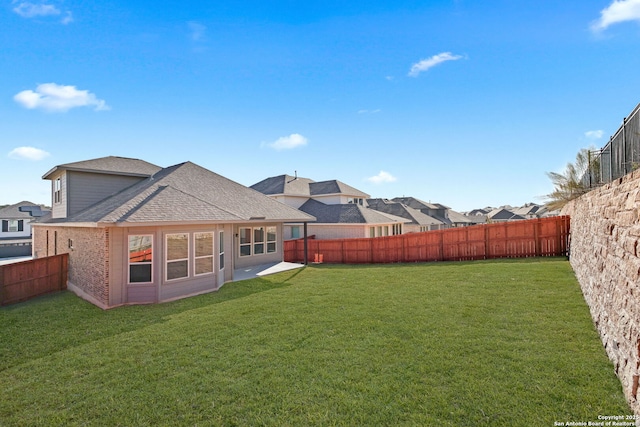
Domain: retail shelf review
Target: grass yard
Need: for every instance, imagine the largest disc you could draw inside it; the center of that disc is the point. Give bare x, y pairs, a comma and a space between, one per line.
500, 343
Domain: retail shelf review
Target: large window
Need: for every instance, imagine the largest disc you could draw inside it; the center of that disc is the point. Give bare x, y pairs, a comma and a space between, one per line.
177, 250
245, 242
140, 259
203, 253
271, 239
257, 240
295, 231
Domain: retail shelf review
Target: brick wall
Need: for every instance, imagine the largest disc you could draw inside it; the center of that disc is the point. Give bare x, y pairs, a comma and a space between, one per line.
88, 257
605, 256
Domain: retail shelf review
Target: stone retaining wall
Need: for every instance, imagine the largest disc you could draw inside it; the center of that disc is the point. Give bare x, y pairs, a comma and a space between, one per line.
605, 256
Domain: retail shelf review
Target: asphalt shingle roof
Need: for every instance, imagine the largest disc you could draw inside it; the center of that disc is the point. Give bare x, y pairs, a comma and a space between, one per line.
187, 192
109, 165
13, 211
404, 211
284, 184
347, 214
298, 186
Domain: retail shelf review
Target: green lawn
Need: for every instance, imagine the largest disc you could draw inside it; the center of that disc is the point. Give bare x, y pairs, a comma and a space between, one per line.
500, 343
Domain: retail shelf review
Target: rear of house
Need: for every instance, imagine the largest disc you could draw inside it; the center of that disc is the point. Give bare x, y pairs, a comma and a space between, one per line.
138, 233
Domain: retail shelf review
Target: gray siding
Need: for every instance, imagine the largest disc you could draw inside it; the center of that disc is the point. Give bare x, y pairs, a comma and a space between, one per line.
59, 210
87, 189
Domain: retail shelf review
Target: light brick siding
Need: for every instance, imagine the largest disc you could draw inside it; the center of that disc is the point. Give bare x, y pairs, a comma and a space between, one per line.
605, 255
88, 256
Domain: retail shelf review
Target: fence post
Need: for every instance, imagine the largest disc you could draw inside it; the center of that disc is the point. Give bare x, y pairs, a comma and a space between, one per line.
536, 235
487, 247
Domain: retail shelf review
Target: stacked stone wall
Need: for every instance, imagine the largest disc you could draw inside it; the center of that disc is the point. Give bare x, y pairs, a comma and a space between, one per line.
605, 256
88, 257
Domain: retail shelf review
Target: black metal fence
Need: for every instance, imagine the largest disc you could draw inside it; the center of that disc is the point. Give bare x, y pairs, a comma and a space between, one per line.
619, 157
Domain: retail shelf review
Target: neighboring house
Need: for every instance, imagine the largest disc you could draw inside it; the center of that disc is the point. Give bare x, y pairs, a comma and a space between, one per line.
351, 220
15, 230
295, 191
503, 215
16, 220
531, 210
340, 209
418, 221
139, 233
446, 215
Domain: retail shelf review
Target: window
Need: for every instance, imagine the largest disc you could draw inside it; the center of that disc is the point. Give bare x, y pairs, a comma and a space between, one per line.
258, 240
372, 232
396, 229
271, 239
12, 225
140, 259
221, 250
203, 253
245, 242
295, 231
177, 250
386, 230
57, 186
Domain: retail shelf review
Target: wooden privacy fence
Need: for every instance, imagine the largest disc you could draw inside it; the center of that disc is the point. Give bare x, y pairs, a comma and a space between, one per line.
516, 239
27, 279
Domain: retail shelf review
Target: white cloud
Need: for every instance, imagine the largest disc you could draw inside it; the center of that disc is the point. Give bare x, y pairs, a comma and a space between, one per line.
382, 177
376, 111
618, 11
425, 64
197, 30
68, 18
58, 98
33, 10
288, 142
30, 10
28, 153
594, 134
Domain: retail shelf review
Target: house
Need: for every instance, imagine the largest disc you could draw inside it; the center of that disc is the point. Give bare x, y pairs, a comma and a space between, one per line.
340, 209
503, 215
15, 231
139, 233
350, 220
446, 215
418, 221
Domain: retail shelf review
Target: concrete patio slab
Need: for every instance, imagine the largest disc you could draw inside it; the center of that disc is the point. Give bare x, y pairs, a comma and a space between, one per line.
263, 270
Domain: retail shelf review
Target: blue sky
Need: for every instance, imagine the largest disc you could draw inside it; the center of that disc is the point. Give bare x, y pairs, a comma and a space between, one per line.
465, 103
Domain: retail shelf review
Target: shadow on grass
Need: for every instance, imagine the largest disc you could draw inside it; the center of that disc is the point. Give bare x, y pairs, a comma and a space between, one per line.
56, 322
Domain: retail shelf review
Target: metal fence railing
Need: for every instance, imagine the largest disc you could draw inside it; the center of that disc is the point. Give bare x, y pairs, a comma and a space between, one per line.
619, 157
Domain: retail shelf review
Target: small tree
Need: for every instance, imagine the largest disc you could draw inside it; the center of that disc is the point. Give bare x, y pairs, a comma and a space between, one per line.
576, 180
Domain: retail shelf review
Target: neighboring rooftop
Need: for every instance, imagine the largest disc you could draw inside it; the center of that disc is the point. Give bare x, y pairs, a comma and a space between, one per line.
297, 186
22, 210
347, 214
404, 211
